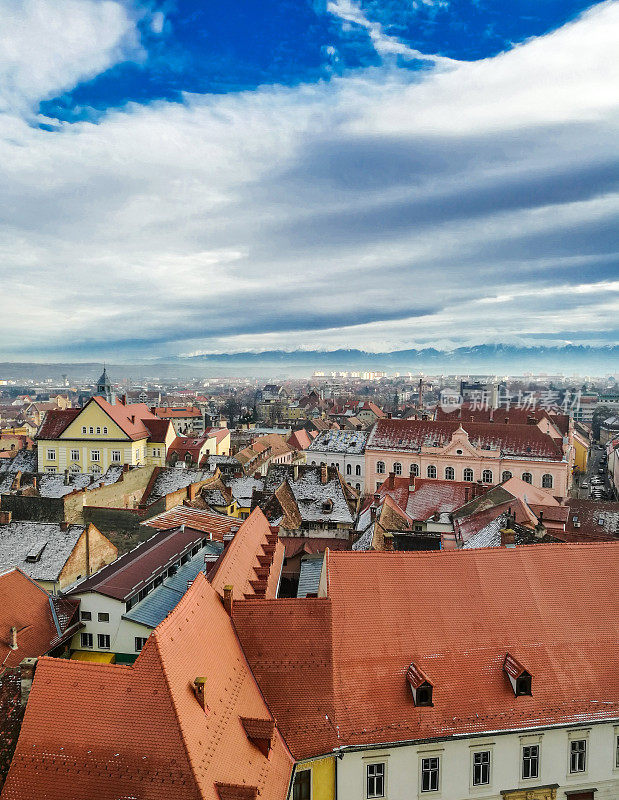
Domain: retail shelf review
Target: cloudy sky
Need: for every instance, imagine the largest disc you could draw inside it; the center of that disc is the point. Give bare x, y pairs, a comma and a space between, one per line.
186, 176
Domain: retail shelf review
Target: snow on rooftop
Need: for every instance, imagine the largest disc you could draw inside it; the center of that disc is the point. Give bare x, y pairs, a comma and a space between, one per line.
53, 546
338, 441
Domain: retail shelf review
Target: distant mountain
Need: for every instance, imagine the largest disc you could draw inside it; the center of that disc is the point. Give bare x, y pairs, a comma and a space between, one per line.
480, 359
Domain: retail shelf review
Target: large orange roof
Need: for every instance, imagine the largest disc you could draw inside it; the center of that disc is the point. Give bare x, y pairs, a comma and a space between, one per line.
108, 731
455, 614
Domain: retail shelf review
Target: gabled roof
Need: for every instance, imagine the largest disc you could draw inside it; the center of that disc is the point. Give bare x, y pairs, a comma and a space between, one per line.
525, 441
56, 421
42, 622
39, 549
174, 412
352, 650
139, 730
252, 562
125, 577
215, 525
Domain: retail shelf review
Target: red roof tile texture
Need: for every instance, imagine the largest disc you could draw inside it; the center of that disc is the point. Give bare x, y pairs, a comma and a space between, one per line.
27, 608
215, 525
55, 422
140, 731
554, 606
239, 567
518, 440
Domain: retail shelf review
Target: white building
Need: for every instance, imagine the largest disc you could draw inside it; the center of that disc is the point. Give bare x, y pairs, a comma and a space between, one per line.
344, 450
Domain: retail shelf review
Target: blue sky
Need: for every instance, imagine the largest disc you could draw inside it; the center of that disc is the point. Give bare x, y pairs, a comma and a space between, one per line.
185, 177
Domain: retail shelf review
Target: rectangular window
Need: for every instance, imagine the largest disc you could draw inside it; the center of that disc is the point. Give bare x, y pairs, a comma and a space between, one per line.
95, 455
375, 780
429, 774
50, 470
530, 761
75, 455
51, 455
116, 455
302, 788
85, 616
86, 639
578, 755
103, 616
140, 641
481, 768
103, 641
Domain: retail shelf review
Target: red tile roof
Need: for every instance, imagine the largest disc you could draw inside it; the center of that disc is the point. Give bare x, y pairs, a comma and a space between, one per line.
296, 545
252, 562
158, 429
41, 621
301, 439
108, 731
351, 652
526, 441
174, 412
56, 421
215, 525
583, 521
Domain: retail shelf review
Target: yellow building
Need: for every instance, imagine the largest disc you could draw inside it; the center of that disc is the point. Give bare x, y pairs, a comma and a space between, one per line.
101, 435
581, 448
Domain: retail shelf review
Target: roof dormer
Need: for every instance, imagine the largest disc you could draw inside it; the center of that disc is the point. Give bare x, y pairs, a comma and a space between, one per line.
420, 686
518, 676
260, 732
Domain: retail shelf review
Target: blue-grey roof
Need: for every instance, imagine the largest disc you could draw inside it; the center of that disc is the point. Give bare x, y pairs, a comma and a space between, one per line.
309, 579
156, 606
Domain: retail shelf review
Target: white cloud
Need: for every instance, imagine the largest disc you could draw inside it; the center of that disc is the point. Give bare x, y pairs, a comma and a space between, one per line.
375, 210
47, 46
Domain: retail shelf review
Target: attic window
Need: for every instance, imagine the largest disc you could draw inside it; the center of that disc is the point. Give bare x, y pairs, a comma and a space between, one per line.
35, 552
327, 506
260, 732
420, 686
518, 676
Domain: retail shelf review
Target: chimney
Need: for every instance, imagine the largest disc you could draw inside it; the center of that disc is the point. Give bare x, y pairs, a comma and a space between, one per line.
323, 475
531, 420
295, 472
192, 490
123, 400
508, 537
66, 477
64, 525
467, 494
5, 517
388, 540
16, 481
26, 675
35, 483
198, 690
13, 638
389, 415
228, 599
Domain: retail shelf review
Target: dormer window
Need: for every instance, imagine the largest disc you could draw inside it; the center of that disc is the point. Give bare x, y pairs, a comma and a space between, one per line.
518, 676
327, 506
420, 686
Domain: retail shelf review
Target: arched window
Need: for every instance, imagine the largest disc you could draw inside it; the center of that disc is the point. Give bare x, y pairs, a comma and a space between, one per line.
527, 477
468, 474
397, 468
105, 430
431, 471
358, 469
380, 467
349, 469
547, 481
358, 487
83, 429
506, 476
450, 474
414, 470
486, 476
98, 430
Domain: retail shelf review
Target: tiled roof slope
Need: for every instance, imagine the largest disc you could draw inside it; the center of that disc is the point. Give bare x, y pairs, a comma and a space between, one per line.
131, 419
215, 525
511, 440
31, 610
52, 544
56, 421
554, 605
251, 563
139, 731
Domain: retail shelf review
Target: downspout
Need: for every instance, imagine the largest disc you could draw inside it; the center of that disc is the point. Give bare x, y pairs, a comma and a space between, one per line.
337, 758
88, 550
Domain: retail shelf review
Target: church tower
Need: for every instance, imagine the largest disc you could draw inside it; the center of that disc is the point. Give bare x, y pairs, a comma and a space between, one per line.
104, 388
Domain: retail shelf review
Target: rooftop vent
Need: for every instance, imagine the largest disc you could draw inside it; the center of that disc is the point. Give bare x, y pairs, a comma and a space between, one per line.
420, 686
198, 690
518, 676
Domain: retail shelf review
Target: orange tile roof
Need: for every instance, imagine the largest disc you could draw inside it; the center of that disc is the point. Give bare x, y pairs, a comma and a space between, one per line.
41, 621
554, 605
174, 412
216, 525
252, 561
108, 731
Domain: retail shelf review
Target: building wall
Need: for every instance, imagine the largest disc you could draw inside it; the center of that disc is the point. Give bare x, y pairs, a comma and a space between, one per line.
560, 470
341, 461
403, 767
92, 551
122, 632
